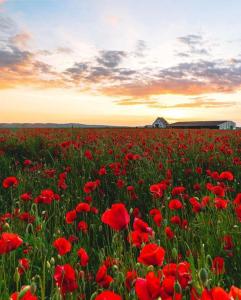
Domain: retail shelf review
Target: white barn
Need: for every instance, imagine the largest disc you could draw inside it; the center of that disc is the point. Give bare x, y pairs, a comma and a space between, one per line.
160, 123
225, 124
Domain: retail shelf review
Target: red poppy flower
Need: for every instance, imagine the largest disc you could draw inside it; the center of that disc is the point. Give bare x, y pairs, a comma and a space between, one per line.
108, 295
82, 226
157, 216
102, 278
237, 199
157, 190
26, 197
218, 190
218, 265
152, 254
120, 183
27, 162
84, 258
235, 293
65, 278
220, 203
175, 204
130, 277
9, 242
70, 216
62, 245
91, 186
196, 206
82, 207
181, 272
46, 197
176, 220
116, 217
169, 233
148, 288
216, 293
102, 171
226, 176
10, 181
88, 155
23, 265
168, 284
27, 296
142, 226
228, 242
178, 190
26, 217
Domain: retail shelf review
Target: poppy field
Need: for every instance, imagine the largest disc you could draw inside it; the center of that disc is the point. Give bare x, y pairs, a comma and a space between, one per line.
111, 214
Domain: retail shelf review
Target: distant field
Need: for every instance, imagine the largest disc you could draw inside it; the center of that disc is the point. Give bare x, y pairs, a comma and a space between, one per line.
120, 214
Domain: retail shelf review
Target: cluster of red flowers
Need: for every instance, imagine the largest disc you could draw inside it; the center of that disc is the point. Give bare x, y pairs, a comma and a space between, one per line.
120, 214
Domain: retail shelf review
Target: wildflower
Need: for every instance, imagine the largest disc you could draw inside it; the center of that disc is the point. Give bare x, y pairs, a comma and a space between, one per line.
10, 181
152, 254
62, 245
116, 217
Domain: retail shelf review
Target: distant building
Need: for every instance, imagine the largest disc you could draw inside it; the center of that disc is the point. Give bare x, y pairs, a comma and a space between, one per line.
205, 124
160, 123
225, 124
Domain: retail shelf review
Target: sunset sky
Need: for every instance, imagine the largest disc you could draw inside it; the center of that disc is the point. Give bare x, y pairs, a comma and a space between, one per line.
121, 62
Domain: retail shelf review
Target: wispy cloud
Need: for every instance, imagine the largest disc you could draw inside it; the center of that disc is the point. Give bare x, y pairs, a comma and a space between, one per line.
195, 78
193, 102
194, 44
110, 59
141, 47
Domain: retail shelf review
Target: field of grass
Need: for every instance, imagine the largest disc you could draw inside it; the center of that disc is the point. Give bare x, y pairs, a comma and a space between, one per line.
120, 214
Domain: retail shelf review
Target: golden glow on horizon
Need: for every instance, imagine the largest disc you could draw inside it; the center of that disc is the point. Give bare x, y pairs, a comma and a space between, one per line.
64, 106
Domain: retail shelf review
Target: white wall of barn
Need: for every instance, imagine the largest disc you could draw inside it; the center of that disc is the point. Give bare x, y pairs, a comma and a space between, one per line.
159, 123
227, 125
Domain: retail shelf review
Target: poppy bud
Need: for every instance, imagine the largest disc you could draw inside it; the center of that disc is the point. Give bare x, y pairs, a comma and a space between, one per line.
138, 265
150, 268
115, 268
174, 253
16, 276
6, 226
24, 291
48, 264
203, 275
52, 261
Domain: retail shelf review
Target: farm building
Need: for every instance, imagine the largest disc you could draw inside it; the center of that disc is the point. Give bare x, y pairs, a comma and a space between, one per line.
225, 124
160, 123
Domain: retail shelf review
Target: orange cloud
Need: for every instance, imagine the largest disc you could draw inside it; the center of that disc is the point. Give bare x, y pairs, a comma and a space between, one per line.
24, 70
193, 103
155, 88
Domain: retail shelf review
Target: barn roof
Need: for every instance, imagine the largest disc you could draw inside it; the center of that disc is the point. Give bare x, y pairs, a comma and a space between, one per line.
199, 123
161, 119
